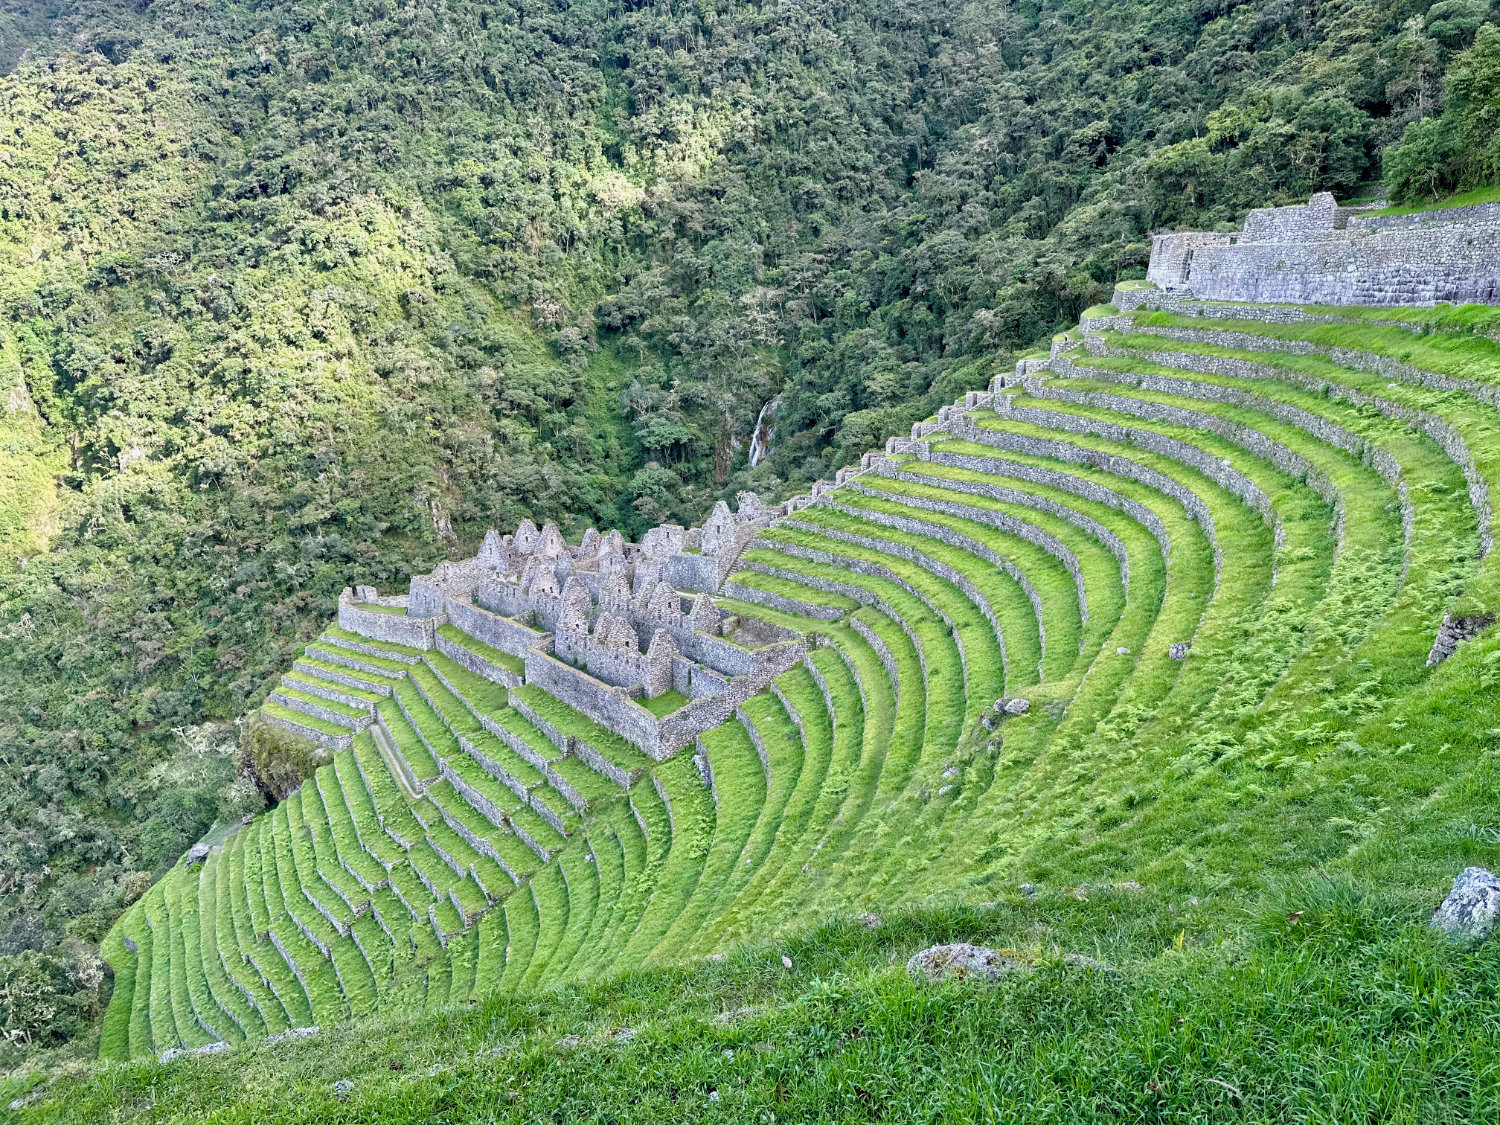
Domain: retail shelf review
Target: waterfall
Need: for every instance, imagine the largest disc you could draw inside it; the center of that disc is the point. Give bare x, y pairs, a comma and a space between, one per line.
760, 437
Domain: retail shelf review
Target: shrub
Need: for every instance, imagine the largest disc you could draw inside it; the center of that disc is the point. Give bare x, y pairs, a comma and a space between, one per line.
276, 760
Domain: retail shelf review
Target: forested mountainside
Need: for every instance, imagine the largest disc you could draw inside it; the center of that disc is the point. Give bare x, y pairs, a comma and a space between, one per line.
302, 292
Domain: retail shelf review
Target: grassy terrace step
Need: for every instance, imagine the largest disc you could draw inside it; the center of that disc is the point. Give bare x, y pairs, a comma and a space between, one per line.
469, 852
419, 734
296, 696
1475, 422
1372, 535
1441, 557
301, 718
1239, 539
1100, 572
1459, 355
1152, 676
404, 653
782, 588
576, 725
379, 683
331, 691
1436, 483
513, 664
1231, 626
480, 694
1190, 570
338, 655
1307, 548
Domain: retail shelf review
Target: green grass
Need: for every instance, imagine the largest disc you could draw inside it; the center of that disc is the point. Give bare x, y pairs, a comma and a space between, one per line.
1462, 199
1302, 761
312, 722
665, 703
479, 648
347, 710
1278, 1026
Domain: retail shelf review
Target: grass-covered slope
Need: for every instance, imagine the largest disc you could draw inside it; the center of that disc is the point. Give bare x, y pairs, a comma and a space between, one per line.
1291, 795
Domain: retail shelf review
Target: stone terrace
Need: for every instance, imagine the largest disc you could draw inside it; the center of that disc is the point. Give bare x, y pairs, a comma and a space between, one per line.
1198, 528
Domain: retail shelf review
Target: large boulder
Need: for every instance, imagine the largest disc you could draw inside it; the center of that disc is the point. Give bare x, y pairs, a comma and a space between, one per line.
1472, 907
961, 961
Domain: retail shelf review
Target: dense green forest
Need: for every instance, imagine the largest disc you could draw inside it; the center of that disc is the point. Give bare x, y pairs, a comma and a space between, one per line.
301, 292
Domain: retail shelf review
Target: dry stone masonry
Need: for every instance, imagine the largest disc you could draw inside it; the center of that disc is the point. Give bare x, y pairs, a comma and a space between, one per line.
482, 820
605, 627
1318, 253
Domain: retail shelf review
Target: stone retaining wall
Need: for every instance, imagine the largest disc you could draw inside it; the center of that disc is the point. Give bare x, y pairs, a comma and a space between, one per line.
1435, 427
1301, 255
394, 628
1289, 461
329, 692
1110, 463
936, 567
883, 651
755, 740
498, 632
1231, 480
822, 682
1021, 529
1076, 485
341, 678
849, 589
772, 600
319, 738
485, 669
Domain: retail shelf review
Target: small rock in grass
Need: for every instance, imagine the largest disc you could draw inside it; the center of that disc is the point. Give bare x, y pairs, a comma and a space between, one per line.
1472, 907
944, 790
715, 957
292, 1033
1079, 961
623, 1034
728, 1017
1028, 889
1178, 651
961, 961
343, 1089
786, 962
1122, 651
1012, 706
869, 921
178, 1052
713, 1095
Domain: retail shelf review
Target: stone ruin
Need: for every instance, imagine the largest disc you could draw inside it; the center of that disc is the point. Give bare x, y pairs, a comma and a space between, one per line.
601, 626
1322, 254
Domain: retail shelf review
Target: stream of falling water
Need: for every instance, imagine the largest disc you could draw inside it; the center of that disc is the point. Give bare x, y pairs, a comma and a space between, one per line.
760, 437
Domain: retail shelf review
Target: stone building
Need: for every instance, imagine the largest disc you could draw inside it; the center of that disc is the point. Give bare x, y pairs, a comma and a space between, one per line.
1320, 253
602, 626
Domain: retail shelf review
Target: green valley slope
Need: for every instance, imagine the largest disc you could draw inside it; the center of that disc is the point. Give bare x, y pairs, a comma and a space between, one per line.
1280, 805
